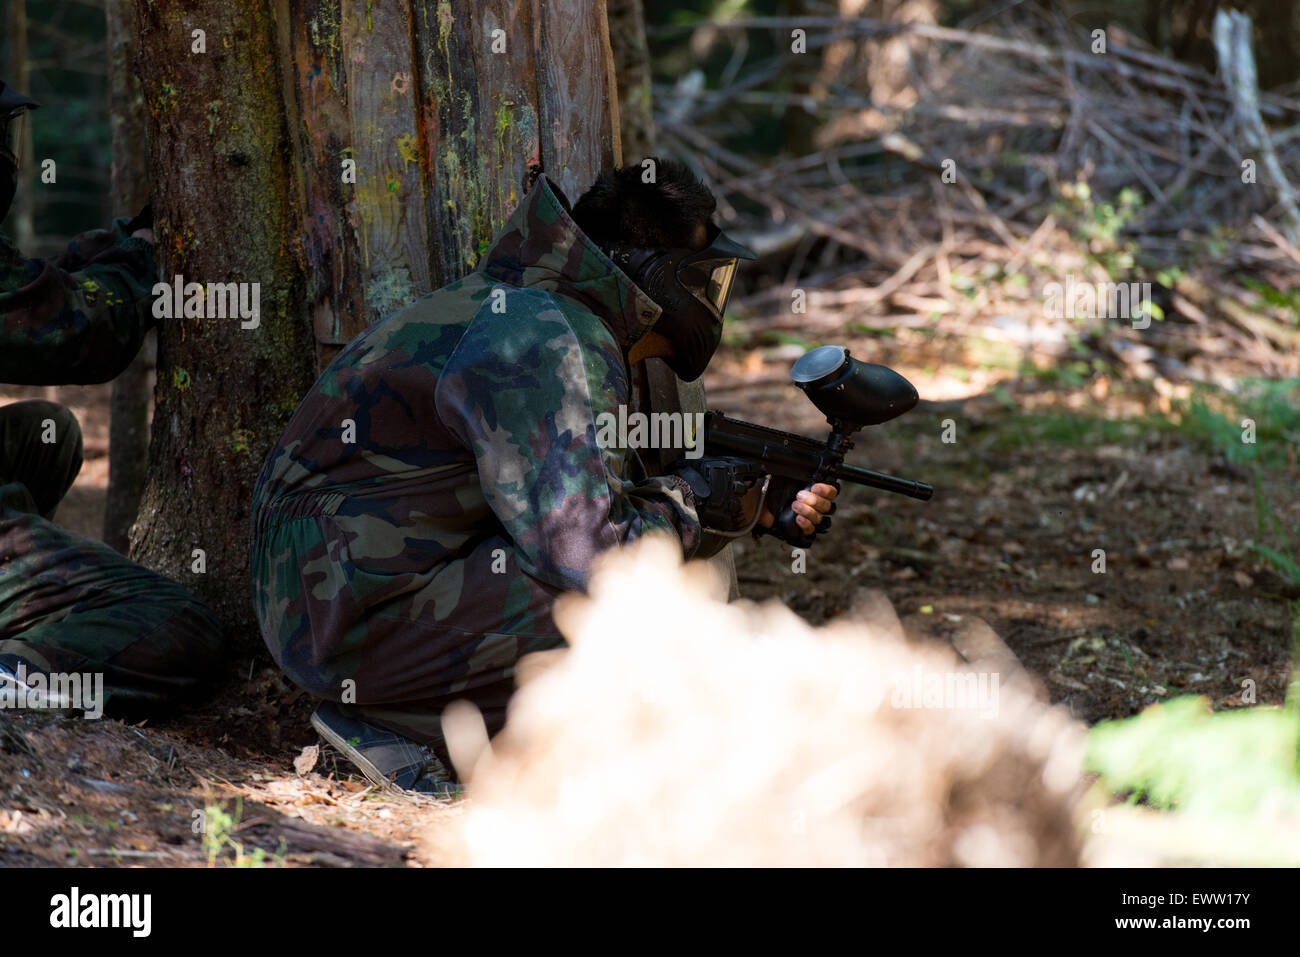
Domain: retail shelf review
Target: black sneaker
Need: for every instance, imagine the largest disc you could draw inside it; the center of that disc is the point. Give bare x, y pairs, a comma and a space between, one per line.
15, 687
10, 665
382, 756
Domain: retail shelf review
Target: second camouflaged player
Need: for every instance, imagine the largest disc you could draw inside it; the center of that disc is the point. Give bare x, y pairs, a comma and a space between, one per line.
69, 604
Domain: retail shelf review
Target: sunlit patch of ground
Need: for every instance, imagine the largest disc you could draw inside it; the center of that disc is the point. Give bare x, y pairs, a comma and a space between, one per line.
1036, 480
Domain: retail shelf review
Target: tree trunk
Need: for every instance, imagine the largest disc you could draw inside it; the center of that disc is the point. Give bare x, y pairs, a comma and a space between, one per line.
128, 446
226, 209
128, 451
20, 222
632, 66
443, 107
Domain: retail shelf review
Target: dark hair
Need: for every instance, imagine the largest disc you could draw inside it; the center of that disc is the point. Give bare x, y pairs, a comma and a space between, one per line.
621, 208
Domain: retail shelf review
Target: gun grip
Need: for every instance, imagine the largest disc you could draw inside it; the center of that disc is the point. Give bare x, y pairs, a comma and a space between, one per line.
788, 528
781, 500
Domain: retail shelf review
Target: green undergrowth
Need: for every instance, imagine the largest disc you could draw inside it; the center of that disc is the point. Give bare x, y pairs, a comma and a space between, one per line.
1256, 424
1180, 755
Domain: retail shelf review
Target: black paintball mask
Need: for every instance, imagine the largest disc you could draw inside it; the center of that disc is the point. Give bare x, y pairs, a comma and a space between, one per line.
692, 287
13, 106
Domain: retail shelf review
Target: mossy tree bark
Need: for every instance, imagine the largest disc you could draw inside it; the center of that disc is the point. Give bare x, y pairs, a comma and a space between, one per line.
227, 209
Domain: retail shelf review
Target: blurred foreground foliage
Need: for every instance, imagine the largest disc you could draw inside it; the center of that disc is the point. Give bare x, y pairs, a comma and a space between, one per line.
1182, 755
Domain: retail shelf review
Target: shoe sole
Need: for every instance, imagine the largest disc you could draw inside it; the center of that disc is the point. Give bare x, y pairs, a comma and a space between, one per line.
340, 744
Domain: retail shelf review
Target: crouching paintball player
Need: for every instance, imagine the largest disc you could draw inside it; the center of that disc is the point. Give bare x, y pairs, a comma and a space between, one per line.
68, 604
444, 480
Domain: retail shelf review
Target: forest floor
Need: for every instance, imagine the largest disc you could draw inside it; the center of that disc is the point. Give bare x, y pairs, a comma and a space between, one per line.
1043, 470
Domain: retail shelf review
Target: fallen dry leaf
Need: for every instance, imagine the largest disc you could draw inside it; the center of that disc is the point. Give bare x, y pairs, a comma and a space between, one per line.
304, 762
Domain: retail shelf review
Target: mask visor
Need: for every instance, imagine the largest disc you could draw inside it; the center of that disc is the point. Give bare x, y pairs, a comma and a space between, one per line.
718, 290
710, 275
709, 281
12, 135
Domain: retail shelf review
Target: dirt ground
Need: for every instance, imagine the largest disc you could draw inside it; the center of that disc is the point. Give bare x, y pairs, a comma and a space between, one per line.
1010, 537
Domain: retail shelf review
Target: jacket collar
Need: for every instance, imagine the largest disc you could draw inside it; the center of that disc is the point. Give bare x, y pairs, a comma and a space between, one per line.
541, 247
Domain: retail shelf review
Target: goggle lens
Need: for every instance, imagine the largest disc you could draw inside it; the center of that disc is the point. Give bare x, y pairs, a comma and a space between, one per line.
11, 126
710, 282
720, 282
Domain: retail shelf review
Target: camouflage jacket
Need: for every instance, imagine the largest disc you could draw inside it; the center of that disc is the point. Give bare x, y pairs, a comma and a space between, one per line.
79, 317
450, 448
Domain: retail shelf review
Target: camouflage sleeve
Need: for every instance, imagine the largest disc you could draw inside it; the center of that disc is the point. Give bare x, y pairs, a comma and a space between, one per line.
525, 398
79, 317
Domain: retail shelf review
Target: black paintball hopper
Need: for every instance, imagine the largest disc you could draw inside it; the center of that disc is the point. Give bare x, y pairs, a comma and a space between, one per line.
850, 393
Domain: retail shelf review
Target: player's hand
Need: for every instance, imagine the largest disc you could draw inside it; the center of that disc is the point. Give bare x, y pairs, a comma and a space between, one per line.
809, 506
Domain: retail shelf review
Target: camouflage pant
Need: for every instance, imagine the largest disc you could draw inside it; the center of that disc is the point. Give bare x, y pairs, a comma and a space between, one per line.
391, 653
73, 605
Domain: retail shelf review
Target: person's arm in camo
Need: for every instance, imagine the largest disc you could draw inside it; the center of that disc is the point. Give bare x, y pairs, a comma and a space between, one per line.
526, 399
79, 317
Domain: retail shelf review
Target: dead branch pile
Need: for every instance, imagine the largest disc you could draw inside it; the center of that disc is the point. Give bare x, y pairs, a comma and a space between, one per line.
1008, 157
680, 730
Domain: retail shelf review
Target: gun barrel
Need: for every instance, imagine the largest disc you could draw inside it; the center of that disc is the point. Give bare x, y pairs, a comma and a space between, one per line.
783, 453
889, 483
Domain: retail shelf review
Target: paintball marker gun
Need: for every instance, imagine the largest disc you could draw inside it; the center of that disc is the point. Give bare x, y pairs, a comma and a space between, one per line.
851, 394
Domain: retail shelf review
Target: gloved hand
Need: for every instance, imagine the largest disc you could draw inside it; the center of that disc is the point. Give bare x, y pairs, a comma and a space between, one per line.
806, 516
726, 491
